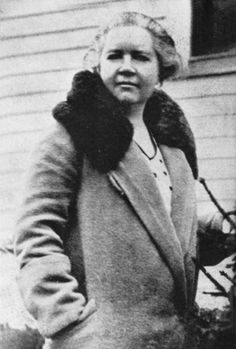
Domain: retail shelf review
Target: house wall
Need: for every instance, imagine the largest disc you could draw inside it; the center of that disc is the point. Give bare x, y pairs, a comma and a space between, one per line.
210, 105
41, 48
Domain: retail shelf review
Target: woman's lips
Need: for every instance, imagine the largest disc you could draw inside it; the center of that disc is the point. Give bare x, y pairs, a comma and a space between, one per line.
127, 83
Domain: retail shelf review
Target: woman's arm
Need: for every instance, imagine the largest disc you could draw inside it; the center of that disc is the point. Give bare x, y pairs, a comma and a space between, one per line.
49, 290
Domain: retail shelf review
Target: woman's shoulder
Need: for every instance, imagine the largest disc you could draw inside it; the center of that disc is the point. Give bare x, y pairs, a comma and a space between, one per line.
56, 138
55, 146
56, 135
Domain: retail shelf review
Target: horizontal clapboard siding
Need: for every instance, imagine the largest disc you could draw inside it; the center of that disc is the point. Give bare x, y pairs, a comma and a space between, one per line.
223, 189
210, 106
208, 206
218, 168
36, 100
200, 87
29, 8
25, 122
38, 62
13, 162
33, 83
31, 44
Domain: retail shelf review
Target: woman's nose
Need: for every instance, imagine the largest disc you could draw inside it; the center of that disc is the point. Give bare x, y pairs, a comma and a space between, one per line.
127, 64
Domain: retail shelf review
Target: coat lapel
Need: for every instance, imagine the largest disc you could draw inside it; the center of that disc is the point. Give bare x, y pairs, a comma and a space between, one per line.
137, 183
183, 197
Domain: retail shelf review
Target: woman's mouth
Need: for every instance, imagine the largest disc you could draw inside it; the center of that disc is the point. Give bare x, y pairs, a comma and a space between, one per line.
127, 84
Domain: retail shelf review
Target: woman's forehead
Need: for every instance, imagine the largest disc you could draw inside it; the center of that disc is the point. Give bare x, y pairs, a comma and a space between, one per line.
129, 37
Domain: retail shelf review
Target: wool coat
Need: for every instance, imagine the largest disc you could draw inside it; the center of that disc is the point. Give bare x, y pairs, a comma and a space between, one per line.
103, 265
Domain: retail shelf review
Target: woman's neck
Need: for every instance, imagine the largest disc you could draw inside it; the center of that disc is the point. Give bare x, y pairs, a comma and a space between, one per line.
135, 115
141, 133
143, 138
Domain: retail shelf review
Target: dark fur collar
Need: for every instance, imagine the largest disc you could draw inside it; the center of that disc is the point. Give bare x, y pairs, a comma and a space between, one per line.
96, 122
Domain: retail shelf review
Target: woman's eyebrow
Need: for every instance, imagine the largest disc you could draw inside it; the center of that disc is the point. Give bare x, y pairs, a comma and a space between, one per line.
114, 50
146, 52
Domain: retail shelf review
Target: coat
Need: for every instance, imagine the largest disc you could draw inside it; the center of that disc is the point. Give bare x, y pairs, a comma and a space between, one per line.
103, 265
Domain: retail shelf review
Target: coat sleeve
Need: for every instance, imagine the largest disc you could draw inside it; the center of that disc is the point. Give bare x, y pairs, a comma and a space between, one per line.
49, 290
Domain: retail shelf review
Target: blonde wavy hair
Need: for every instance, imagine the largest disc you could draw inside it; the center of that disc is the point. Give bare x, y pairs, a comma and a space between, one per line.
164, 45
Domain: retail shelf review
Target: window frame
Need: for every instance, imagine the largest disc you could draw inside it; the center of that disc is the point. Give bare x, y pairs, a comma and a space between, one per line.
211, 64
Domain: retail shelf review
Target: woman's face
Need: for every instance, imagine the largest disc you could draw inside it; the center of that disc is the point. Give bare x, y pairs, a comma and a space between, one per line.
128, 64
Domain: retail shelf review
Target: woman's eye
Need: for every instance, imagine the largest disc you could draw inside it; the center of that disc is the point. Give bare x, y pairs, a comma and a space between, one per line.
113, 56
140, 57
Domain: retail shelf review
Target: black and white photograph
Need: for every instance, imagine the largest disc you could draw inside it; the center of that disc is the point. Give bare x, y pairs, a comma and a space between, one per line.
117, 174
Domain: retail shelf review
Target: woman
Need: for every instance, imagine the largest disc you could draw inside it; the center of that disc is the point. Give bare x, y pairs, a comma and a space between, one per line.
108, 225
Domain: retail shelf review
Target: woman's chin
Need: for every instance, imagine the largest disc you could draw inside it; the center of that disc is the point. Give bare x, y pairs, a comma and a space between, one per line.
127, 99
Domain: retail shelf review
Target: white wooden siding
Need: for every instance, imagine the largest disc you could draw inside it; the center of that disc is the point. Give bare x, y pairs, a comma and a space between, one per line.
210, 106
